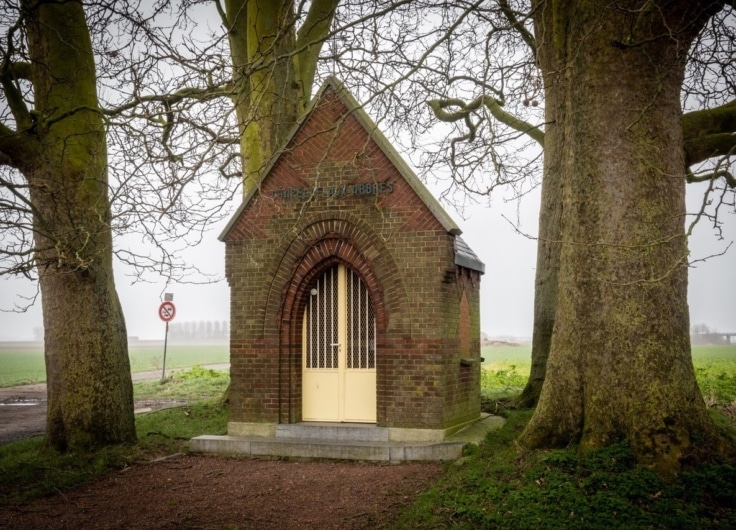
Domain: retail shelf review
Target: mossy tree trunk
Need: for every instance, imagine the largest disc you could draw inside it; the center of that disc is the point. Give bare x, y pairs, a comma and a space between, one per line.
60, 148
548, 242
619, 364
274, 68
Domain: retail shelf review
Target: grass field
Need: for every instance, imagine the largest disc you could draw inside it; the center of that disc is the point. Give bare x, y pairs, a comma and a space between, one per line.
22, 362
523, 354
507, 367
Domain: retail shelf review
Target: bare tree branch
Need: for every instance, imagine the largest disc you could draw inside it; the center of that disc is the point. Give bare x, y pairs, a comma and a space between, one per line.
704, 177
709, 132
493, 106
518, 25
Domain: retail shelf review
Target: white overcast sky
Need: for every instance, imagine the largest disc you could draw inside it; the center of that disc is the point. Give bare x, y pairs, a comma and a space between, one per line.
507, 288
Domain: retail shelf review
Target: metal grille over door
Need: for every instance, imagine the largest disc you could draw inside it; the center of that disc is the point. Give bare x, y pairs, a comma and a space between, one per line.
361, 337
322, 323
339, 337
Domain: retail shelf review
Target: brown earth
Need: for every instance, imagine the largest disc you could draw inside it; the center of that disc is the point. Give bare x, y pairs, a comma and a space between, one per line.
200, 492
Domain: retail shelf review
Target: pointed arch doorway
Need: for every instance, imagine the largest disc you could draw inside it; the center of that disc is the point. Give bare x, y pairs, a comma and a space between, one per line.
339, 350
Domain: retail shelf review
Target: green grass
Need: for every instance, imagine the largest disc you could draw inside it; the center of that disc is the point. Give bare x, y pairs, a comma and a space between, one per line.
512, 354
27, 470
197, 383
502, 486
21, 367
146, 356
723, 353
22, 363
523, 353
507, 369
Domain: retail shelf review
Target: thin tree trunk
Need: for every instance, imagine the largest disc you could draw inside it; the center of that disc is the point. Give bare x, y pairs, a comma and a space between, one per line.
268, 100
620, 365
548, 244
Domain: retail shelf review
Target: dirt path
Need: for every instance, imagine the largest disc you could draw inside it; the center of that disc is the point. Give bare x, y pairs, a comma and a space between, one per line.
201, 492
188, 492
23, 408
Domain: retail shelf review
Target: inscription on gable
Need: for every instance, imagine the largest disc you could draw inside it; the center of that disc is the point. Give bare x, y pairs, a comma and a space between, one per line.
367, 188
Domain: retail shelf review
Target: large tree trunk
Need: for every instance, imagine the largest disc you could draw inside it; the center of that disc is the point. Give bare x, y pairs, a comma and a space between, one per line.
620, 365
90, 393
273, 75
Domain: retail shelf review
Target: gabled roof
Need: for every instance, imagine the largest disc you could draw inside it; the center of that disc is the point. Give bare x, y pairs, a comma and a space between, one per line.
356, 109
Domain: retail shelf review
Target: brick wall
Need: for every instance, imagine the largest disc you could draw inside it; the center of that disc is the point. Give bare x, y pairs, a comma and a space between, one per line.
299, 224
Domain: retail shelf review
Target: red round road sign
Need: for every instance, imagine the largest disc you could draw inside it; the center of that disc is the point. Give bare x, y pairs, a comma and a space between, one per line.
167, 311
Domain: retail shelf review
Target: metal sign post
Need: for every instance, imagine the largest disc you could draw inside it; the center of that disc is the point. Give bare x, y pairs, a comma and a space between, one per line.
166, 340
166, 312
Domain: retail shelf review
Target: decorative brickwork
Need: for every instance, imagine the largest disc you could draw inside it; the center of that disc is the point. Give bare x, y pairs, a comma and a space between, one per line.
338, 193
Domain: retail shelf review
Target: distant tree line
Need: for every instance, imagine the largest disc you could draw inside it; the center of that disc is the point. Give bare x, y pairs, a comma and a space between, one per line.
703, 334
199, 330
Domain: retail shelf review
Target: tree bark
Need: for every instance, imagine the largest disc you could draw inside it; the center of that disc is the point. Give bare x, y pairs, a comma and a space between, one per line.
274, 72
90, 393
548, 242
619, 365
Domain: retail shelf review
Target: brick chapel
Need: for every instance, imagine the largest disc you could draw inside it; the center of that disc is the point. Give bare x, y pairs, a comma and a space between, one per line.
353, 297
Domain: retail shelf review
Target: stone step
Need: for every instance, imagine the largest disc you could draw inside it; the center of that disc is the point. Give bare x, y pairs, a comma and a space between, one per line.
333, 432
343, 450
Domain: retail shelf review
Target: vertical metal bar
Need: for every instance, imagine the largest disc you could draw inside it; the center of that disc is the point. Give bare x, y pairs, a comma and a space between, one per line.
333, 322
367, 331
373, 340
166, 340
356, 317
350, 320
310, 334
321, 324
355, 311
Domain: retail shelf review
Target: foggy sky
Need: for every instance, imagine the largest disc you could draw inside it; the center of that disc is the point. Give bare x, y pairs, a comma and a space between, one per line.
507, 288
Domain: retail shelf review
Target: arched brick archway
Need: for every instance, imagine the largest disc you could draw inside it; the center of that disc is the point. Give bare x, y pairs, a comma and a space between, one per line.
340, 234
319, 257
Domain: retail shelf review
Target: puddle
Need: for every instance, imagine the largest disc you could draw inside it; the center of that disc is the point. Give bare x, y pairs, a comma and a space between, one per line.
20, 404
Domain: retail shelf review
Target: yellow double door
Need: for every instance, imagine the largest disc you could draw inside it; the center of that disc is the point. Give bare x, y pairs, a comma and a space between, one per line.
339, 352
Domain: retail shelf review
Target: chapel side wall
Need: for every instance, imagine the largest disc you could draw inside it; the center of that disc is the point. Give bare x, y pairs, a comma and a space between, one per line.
462, 322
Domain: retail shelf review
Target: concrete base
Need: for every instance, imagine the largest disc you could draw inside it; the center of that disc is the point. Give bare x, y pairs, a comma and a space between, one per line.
344, 442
